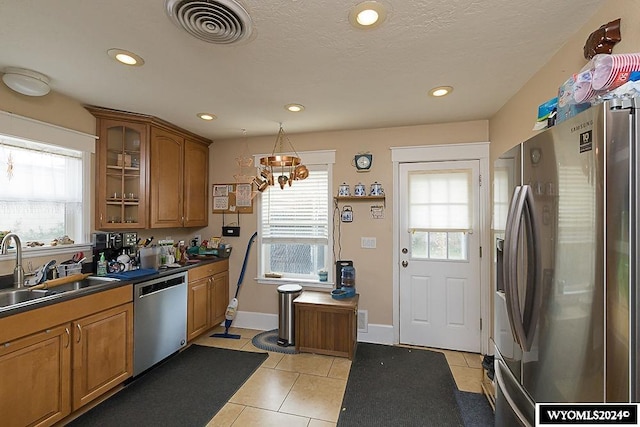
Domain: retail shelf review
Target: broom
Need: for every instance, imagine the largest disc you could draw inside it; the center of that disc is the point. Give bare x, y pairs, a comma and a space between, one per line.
230, 314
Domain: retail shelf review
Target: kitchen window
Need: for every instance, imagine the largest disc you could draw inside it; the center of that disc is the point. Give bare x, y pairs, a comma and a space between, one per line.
295, 225
44, 186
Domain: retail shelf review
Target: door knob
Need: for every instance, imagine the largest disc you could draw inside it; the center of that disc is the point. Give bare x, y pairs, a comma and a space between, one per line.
405, 263
405, 250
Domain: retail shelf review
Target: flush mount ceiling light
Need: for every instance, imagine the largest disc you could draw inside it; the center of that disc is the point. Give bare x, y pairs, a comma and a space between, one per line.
288, 167
294, 108
26, 82
440, 91
126, 57
207, 116
368, 14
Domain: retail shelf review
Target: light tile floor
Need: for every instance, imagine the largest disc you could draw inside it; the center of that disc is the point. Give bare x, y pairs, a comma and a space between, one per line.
306, 389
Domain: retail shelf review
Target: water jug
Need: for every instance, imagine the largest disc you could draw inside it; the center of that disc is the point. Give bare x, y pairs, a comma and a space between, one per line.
348, 279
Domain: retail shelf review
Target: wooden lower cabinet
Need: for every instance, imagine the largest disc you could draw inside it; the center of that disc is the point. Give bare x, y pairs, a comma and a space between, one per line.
324, 325
102, 353
208, 297
198, 308
35, 377
47, 372
219, 295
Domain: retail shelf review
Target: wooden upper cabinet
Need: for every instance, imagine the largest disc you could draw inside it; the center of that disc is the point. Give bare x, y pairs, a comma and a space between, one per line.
166, 179
121, 175
196, 184
149, 173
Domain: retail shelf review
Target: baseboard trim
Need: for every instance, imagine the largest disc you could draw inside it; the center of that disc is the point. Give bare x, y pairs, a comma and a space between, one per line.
377, 334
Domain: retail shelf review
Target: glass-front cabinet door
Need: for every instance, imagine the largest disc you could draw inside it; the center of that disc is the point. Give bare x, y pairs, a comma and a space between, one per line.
121, 182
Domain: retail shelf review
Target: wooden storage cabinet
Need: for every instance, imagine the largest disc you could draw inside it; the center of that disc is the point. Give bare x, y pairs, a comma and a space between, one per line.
102, 349
149, 173
178, 181
196, 184
36, 377
121, 175
166, 178
325, 325
198, 308
208, 297
57, 358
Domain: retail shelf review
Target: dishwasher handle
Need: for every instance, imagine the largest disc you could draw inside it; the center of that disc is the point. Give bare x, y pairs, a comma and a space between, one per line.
143, 290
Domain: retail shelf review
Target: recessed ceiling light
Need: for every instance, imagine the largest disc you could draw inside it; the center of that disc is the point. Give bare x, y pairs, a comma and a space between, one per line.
368, 14
294, 108
440, 91
207, 116
125, 57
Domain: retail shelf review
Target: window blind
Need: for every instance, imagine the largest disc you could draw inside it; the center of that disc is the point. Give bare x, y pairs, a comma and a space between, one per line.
440, 200
299, 213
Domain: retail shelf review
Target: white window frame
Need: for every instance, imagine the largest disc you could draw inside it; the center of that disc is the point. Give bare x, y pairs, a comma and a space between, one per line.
322, 157
21, 127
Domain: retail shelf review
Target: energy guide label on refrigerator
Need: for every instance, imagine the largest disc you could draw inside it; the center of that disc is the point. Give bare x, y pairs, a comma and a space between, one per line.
586, 414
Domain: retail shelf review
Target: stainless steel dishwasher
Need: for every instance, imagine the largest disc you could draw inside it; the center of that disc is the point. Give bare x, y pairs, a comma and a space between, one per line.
159, 319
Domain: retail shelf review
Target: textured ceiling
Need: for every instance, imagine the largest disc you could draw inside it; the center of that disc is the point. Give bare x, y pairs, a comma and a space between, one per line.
302, 51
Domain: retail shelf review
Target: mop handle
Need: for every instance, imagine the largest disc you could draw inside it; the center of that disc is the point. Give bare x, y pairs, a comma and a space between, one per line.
244, 263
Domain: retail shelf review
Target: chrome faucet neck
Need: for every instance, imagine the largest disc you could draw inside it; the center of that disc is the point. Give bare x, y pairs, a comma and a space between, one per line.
18, 272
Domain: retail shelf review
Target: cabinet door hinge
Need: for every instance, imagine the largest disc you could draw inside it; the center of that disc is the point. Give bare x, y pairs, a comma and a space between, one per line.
480, 180
480, 251
481, 323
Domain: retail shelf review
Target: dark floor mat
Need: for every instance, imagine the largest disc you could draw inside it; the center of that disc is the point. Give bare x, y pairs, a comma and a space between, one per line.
187, 390
398, 386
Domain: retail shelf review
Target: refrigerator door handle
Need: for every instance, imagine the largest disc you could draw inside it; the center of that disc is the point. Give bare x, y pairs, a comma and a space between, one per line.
534, 275
510, 267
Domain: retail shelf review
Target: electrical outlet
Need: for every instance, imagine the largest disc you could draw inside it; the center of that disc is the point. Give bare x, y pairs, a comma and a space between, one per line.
363, 320
368, 242
198, 238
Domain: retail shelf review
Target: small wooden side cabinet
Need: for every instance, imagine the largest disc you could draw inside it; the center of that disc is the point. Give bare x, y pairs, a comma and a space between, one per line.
324, 325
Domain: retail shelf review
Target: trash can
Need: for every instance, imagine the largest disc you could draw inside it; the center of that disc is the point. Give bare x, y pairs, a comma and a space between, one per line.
286, 321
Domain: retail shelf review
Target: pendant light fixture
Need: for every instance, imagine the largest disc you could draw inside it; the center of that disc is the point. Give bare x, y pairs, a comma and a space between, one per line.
286, 167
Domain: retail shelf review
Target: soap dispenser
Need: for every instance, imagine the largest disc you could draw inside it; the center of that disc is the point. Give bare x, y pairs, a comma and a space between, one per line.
102, 266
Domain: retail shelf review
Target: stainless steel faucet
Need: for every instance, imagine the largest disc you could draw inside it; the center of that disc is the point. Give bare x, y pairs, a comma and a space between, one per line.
18, 272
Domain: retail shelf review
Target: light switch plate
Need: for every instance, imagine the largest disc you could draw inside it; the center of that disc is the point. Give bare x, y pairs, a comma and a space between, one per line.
368, 242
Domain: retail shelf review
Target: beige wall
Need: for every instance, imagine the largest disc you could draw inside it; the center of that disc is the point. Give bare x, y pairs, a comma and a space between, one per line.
52, 108
373, 266
513, 123
509, 126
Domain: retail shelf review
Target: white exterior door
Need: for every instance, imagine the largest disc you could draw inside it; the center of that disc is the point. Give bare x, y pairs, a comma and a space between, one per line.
439, 280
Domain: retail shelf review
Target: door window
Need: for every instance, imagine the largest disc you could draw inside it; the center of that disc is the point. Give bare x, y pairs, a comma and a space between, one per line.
440, 212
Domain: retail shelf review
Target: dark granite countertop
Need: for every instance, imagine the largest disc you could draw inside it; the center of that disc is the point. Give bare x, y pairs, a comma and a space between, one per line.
55, 298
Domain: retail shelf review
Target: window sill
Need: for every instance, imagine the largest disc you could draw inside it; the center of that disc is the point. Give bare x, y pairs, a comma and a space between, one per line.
42, 251
305, 283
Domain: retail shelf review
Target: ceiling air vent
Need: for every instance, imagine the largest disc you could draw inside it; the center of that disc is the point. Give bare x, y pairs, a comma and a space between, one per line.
214, 21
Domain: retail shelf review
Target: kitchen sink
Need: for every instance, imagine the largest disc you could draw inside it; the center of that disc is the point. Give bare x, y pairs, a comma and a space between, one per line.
81, 284
12, 297
16, 296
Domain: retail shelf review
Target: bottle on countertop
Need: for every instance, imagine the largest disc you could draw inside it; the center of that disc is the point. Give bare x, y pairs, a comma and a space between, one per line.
102, 266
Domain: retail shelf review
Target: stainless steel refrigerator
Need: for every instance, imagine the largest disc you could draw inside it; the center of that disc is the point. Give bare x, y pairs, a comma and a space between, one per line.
565, 222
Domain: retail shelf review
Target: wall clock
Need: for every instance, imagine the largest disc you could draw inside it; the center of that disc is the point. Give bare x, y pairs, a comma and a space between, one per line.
363, 162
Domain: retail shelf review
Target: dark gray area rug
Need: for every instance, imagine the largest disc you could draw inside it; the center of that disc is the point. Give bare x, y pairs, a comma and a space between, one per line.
186, 390
475, 409
268, 340
397, 386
